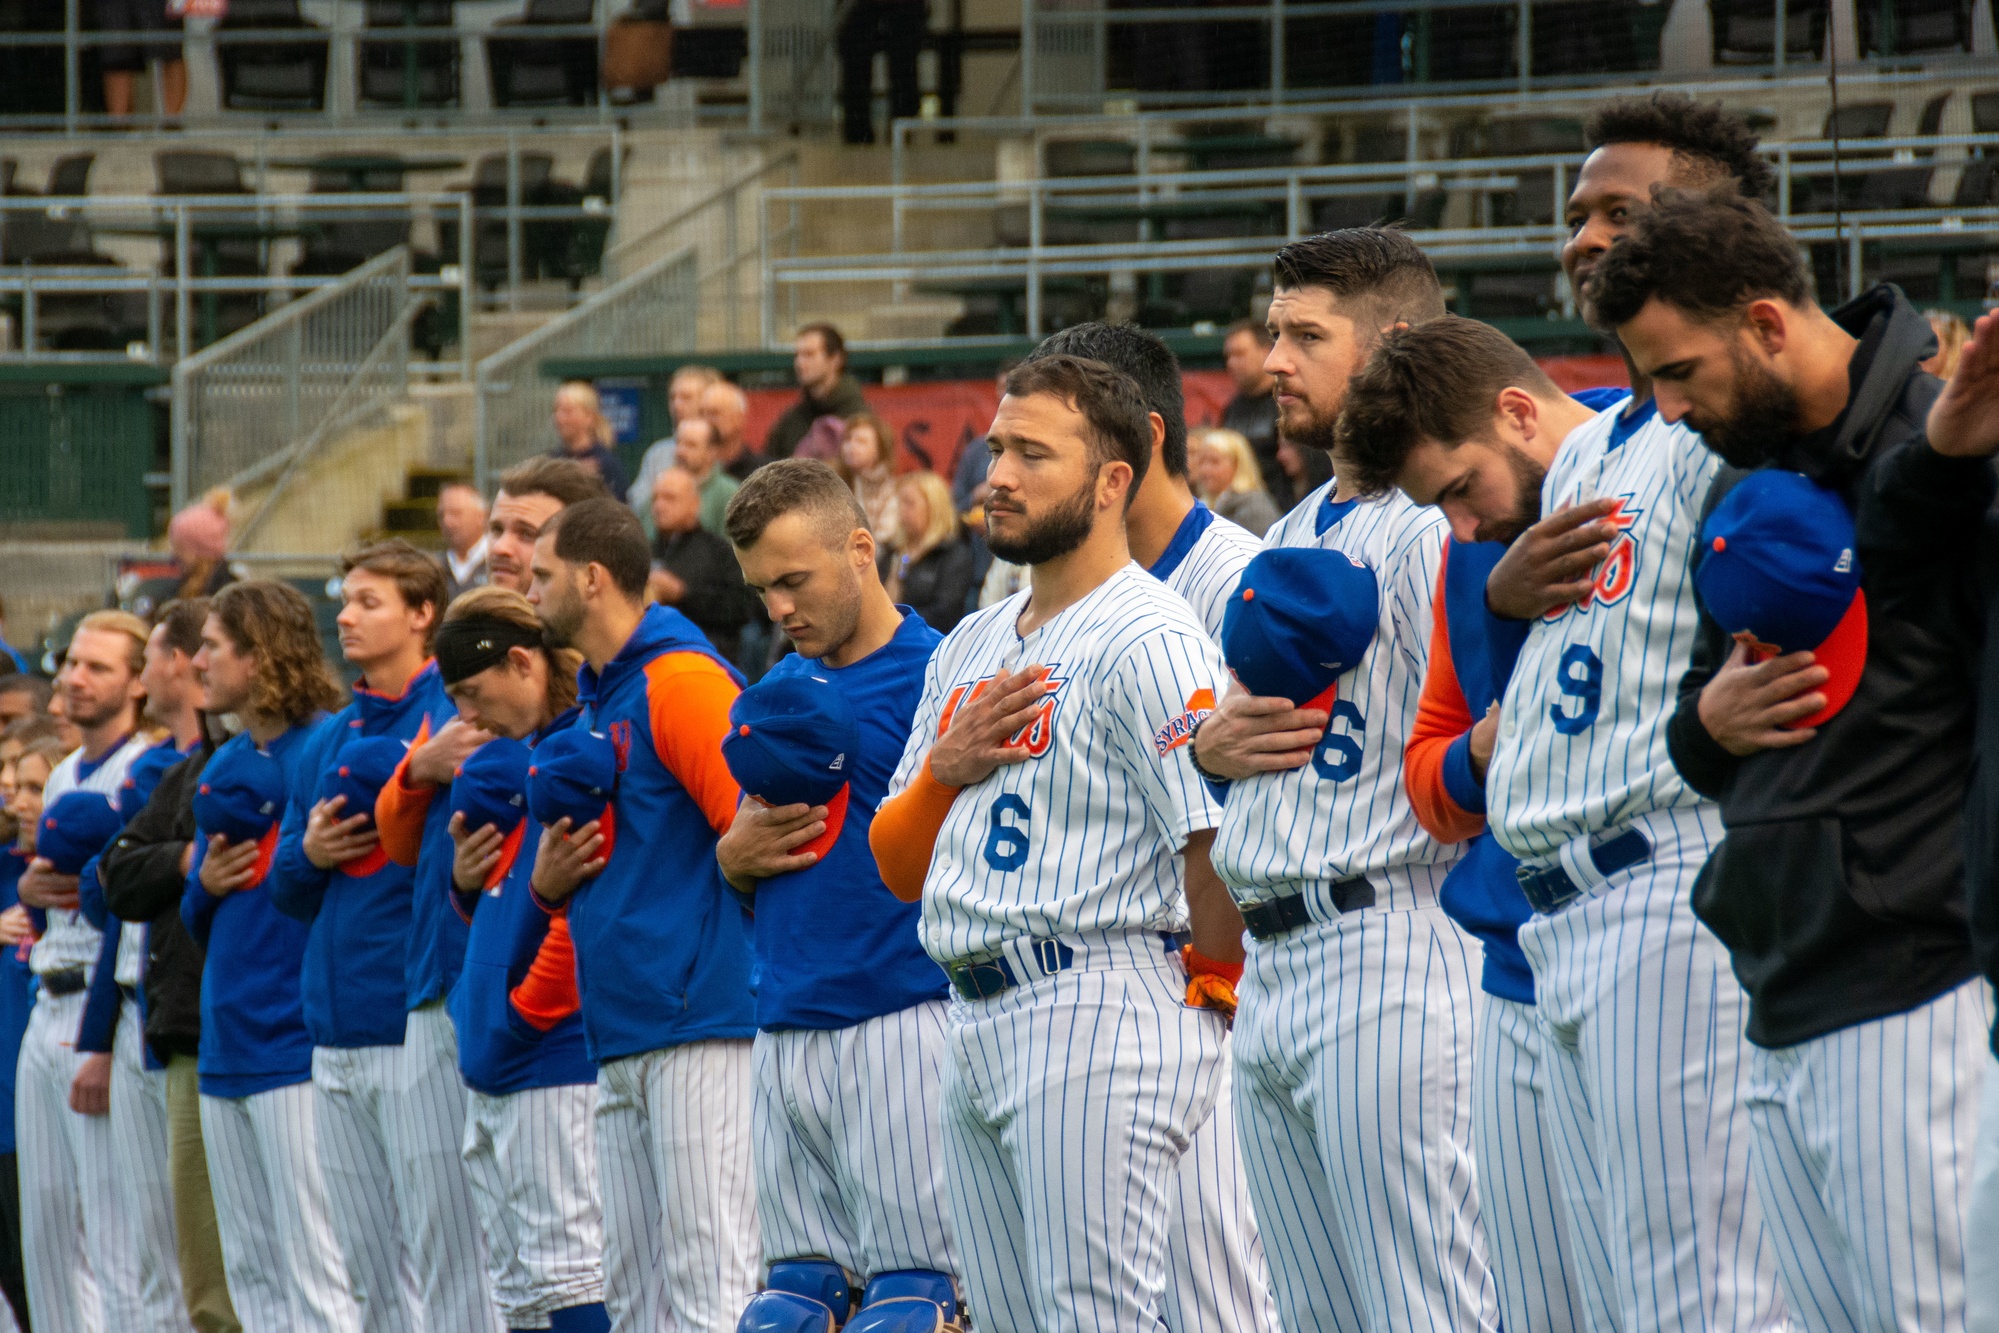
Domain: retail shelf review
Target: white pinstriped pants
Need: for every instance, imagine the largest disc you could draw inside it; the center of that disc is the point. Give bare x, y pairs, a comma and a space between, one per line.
143, 1182
1647, 1070
680, 1205
1217, 1279
271, 1213
531, 1157
1353, 1051
1863, 1155
1520, 1202
1068, 1103
63, 1234
1981, 1261
848, 1161
391, 1142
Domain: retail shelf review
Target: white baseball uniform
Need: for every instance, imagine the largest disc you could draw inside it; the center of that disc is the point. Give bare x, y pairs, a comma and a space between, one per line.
1981, 1262
71, 1199
531, 1159
1069, 1098
1353, 1042
1217, 1276
1645, 1052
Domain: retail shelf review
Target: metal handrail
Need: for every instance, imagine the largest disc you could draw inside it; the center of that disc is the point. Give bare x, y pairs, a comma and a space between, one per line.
787, 161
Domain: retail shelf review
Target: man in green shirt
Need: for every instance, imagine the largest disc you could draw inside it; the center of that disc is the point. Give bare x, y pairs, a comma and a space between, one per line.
819, 360
694, 450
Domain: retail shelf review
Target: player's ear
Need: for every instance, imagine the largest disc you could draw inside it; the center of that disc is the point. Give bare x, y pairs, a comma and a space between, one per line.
1767, 323
861, 548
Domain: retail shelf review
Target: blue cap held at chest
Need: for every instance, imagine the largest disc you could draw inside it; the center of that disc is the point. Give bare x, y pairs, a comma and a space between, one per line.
573, 775
241, 796
793, 741
490, 789
1780, 572
1299, 619
76, 828
360, 771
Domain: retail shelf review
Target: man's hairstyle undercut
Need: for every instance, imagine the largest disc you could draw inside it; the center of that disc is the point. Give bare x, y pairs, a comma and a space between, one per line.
1706, 139
1379, 270
1708, 254
792, 485
1435, 382
1151, 365
1110, 402
604, 532
273, 622
563, 480
418, 578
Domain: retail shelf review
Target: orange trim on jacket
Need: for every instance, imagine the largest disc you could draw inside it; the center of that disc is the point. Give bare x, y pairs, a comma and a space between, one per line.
904, 834
688, 697
400, 808
547, 994
1442, 716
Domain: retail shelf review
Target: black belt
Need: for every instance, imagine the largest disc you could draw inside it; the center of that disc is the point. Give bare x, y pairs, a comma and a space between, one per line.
1281, 916
985, 975
1550, 888
69, 981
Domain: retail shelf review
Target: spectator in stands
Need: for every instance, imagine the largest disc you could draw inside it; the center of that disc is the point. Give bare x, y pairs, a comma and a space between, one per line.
931, 568
693, 569
1951, 334
23, 695
9, 654
865, 457
819, 360
969, 490
1303, 470
726, 408
585, 435
1226, 475
1252, 413
461, 517
697, 458
122, 61
896, 28
683, 402
198, 536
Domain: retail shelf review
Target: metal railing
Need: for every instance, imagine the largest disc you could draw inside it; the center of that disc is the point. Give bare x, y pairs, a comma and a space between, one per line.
651, 311
253, 408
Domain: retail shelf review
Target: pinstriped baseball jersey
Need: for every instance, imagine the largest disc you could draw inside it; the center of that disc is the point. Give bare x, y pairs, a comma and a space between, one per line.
71, 941
1582, 729
1346, 812
1083, 835
1204, 562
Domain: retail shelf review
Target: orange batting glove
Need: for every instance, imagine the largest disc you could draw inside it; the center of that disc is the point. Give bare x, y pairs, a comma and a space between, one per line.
1210, 985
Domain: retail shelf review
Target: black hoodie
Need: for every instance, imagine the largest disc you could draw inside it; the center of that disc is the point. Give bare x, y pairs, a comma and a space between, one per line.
1839, 886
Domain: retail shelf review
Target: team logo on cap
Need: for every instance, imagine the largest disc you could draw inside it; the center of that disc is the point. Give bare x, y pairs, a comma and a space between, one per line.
1038, 734
1618, 573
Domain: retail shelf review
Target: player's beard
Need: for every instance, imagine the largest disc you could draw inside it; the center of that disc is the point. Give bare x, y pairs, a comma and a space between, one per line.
1761, 425
88, 715
1528, 474
1065, 527
560, 619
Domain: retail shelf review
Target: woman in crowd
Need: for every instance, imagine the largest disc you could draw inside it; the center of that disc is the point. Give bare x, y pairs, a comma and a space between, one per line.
584, 433
930, 568
1227, 477
867, 458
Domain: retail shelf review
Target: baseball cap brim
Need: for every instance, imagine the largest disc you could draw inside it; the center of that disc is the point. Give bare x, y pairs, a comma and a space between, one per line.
367, 863
510, 850
836, 819
1844, 656
267, 850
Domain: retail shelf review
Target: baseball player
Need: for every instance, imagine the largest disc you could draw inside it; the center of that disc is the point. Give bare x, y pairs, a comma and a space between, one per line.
1038, 812
1359, 1164
17, 990
850, 1010
68, 1189
1835, 580
1218, 1277
638, 792
260, 659
390, 1121
1455, 414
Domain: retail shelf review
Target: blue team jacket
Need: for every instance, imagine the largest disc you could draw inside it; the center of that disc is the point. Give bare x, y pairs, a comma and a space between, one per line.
356, 965
833, 946
253, 1034
498, 1050
662, 945
17, 996
437, 932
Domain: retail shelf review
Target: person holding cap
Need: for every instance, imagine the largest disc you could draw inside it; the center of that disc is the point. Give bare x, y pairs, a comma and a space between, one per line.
1829, 708
850, 1009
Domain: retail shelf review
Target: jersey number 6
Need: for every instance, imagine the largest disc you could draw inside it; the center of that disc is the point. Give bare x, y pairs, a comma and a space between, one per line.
1581, 678
1337, 757
1006, 844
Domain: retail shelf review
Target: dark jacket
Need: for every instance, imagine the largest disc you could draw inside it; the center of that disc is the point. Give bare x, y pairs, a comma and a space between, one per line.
143, 882
717, 600
617, 480
789, 429
1981, 805
1839, 886
939, 584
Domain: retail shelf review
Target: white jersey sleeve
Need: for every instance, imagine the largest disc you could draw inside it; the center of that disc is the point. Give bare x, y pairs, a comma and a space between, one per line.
1083, 835
1581, 748
1346, 812
71, 941
1209, 572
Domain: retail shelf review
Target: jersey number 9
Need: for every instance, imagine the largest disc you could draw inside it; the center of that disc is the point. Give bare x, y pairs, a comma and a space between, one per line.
1006, 844
1581, 678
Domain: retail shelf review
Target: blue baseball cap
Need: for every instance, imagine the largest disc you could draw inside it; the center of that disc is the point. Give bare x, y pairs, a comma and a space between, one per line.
241, 796
490, 787
793, 741
573, 775
361, 769
1299, 619
1780, 572
76, 828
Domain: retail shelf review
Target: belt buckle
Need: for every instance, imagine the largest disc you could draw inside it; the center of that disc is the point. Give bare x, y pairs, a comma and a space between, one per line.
1547, 889
980, 978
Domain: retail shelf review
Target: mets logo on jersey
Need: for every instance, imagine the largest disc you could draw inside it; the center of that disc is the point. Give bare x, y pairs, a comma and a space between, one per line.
621, 741
1618, 572
1038, 734
1181, 729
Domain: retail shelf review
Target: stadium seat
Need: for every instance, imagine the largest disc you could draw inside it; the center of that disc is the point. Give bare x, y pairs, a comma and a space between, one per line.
272, 76
1532, 202
488, 189
1745, 31
1911, 27
389, 77
543, 71
338, 244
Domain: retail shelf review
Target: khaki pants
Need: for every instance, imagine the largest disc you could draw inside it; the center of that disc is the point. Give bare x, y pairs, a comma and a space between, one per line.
201, 1273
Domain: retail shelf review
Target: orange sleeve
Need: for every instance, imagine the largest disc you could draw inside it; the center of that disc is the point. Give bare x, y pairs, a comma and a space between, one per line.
547, 994
1441, 717
400, 808
904, 833
687, 698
